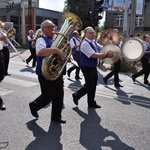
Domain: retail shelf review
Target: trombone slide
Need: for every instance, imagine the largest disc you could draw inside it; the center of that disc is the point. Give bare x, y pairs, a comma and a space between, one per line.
12, 45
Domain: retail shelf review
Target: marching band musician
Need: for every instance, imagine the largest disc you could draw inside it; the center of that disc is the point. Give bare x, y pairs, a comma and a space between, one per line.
145, 61
75, 42
51, 91
2, 60
5, 49
114, 72
89, 59
30, 38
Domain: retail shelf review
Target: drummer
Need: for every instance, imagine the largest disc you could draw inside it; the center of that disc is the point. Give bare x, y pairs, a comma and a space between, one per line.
145, 60
110, 36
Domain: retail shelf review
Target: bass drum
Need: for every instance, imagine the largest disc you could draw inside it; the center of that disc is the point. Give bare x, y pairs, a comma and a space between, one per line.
132, 49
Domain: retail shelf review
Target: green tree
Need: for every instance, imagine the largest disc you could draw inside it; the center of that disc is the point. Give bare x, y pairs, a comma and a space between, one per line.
81, 9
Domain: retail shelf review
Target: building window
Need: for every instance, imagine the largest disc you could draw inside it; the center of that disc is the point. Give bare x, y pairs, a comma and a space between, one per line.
39, 19
119, 21
15, 20
47, 18
138, 21
3, 18
55, 21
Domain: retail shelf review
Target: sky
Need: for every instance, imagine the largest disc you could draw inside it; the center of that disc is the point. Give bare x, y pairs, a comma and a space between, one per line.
57, 5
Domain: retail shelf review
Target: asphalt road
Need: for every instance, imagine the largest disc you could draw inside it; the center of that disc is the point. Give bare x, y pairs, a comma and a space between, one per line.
123, 122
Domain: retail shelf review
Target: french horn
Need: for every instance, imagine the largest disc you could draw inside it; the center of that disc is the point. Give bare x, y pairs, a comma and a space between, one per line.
53, 65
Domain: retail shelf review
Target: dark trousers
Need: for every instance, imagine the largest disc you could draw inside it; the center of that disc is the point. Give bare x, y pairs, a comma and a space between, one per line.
6, 54
114, 72
76, 57
145, 69
32, 56
2, 67
73, 68
51, 91
89, 88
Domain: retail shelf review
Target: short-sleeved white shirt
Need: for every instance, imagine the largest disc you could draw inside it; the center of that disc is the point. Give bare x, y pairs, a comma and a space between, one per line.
73, 44
40, 44
86, 48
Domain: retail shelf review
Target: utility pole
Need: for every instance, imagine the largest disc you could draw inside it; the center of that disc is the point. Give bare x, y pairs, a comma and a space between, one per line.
133, 15
29, 14
125, 20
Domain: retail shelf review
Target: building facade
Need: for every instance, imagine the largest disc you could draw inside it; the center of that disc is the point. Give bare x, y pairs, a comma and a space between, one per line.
142, 22
26, 15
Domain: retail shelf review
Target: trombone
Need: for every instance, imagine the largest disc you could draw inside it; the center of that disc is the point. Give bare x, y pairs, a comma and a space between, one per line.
8, 35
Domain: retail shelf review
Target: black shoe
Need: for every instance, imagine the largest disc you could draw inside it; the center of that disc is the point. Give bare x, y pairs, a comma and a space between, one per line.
59, 120
33, 111
27, 62
94, 106
2, 106
105, 80
8, 74
68, 73
133, 78
118, 85
75, 100
147, 83
77, 78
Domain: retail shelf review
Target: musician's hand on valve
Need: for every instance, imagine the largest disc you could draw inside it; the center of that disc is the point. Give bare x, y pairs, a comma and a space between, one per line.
110, 54
60, 53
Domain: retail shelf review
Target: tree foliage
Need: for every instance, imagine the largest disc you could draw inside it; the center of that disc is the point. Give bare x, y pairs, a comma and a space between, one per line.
80, 8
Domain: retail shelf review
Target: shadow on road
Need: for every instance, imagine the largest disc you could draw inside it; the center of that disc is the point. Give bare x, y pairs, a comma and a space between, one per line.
49, 140
28, 69
95, 137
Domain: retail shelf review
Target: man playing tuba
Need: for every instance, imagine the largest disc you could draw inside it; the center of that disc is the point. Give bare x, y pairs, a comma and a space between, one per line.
51, 91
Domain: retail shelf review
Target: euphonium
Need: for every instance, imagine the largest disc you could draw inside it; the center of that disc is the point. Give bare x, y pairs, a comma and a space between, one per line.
36, 36
53, 65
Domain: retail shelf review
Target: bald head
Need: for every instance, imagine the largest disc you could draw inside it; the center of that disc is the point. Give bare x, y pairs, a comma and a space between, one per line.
89, 33
46, 23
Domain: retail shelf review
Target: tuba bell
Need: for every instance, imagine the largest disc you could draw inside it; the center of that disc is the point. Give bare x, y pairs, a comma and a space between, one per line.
53, 65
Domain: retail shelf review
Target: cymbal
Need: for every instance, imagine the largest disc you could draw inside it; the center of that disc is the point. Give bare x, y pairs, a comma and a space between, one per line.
109, 36
113, 48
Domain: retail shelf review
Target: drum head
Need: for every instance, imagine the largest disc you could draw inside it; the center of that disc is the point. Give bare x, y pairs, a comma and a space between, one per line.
132, 49
115, 49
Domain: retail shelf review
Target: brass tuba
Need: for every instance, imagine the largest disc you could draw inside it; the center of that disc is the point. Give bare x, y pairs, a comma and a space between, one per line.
53, 65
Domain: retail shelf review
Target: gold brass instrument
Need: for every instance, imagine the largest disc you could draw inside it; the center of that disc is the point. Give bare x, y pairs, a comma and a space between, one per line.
13, 47
38, 33
132, 49
53, 65
9, 33
110, 39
